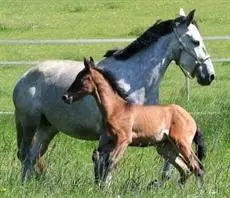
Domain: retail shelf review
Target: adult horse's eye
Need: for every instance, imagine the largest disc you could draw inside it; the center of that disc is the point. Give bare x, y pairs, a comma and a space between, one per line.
196, 43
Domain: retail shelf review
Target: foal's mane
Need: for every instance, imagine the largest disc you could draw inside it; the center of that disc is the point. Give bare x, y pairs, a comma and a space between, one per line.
151, 35
111, 79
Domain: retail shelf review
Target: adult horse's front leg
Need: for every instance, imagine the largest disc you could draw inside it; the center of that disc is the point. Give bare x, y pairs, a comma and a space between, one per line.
166, 172
96, 158
169, 151
165, 175
106, 158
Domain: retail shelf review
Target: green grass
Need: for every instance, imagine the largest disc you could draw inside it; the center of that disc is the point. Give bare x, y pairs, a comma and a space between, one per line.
72, 174
73, 19
68, 161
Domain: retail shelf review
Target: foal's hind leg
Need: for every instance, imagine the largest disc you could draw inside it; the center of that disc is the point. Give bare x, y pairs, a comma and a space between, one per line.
192, 161
184, 144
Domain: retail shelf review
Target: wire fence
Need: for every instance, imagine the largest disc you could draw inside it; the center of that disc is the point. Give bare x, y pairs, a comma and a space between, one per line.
85, 42
24, 62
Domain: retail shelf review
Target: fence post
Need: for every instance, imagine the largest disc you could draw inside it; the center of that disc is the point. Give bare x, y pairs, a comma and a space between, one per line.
187, 87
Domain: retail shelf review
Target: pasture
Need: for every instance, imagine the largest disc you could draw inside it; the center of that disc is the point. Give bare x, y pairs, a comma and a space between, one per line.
69, 170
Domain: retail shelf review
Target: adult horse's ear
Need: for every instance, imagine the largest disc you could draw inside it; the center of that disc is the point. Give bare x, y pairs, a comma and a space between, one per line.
181, 12
190, 17
92, 61
86, 63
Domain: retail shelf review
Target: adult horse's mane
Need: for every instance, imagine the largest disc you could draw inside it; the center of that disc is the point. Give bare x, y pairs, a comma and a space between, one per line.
151, 35
111, 79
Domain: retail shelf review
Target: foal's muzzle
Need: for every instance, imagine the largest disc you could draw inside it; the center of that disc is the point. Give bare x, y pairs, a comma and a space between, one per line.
67, 99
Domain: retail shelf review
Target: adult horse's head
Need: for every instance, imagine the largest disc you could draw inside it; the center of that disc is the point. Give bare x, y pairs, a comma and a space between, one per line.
190, 52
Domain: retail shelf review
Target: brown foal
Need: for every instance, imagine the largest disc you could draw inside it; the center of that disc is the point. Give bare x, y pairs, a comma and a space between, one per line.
169, 128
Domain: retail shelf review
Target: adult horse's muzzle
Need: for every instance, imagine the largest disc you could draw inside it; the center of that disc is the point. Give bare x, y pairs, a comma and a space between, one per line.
204, 77
206, 80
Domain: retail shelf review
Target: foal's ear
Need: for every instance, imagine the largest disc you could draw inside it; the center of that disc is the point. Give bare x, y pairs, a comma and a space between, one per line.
92, 61
87, 63
190, 17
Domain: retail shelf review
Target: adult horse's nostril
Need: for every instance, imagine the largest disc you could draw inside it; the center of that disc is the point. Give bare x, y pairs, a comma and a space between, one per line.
64, 97
212, 77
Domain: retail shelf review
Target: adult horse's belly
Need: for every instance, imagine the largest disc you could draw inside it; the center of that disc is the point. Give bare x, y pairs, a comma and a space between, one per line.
81, 119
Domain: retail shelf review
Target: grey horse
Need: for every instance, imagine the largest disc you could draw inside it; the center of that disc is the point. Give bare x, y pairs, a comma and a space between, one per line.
40, 113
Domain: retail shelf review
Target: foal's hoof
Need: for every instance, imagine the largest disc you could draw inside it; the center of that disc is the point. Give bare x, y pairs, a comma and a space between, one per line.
155, 184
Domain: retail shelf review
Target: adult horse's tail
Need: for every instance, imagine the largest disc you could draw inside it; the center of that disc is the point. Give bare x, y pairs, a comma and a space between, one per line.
199, 141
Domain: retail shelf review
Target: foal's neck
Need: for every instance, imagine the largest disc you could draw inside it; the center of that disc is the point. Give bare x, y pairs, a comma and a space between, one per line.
107, 99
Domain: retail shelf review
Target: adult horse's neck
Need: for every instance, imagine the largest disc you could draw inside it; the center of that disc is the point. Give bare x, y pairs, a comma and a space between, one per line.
107, 99
140, 75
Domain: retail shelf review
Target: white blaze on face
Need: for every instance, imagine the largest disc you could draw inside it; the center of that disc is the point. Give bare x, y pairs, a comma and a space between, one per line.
200, 51
210, 69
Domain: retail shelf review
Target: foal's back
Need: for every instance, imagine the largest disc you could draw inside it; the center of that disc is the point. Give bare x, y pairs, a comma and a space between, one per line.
156, 120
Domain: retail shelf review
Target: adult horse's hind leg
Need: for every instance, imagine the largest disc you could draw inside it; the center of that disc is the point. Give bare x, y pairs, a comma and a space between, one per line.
27, 138
169, 152
35, 137
165, 175
26, 126
19, 132
42, 138
45, 136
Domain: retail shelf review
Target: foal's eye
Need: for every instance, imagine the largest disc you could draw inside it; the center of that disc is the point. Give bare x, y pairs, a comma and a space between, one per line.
82, 80
196, 43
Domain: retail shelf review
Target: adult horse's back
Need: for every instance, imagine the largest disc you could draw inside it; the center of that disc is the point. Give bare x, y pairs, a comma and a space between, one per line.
139, 68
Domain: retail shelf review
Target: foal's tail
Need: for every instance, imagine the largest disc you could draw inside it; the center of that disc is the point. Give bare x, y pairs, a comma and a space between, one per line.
199, 141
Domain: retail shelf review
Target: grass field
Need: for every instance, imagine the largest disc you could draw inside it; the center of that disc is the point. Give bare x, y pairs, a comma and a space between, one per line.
69, 168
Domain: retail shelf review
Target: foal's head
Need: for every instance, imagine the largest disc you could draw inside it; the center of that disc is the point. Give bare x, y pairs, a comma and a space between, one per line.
82, 85
87, 82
